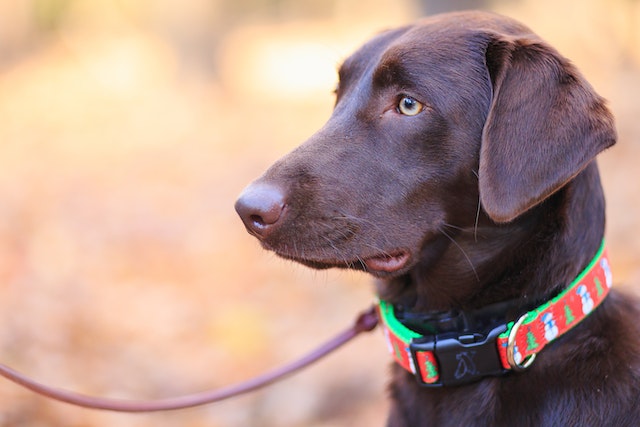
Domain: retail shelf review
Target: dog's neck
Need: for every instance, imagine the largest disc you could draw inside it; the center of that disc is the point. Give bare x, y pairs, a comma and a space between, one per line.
477, 266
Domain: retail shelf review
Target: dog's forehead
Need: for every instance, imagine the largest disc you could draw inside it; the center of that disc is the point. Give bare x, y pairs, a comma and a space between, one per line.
369, 52
439, 39
470, 22
451, 36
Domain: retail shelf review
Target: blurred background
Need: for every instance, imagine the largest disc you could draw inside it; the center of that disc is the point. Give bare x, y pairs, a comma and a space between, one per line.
127, 129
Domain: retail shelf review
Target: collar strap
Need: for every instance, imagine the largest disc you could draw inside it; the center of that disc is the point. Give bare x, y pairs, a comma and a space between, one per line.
453, 358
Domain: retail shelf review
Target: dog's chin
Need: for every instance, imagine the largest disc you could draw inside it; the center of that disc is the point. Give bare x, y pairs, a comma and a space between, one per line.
391, 264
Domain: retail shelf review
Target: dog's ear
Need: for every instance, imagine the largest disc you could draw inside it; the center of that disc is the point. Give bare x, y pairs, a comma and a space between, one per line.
545, 124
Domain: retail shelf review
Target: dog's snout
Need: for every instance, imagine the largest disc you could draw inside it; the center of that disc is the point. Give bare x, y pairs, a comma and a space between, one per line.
260, 207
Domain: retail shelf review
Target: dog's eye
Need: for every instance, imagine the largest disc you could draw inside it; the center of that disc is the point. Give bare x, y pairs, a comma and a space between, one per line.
409, 106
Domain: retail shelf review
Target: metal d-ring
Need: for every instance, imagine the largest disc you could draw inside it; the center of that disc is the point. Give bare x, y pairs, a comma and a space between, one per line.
511, 344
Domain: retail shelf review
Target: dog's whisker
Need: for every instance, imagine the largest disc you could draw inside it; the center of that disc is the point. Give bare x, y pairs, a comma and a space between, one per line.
337, 252
455, 227
364, 221
475, 224
362, 263
343, 215
378, 250
464, 253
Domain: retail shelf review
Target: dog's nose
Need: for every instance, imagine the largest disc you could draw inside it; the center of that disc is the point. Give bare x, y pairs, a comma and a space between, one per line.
260, 207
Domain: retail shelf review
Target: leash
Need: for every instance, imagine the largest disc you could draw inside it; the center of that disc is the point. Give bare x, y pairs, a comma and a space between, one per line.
365, 322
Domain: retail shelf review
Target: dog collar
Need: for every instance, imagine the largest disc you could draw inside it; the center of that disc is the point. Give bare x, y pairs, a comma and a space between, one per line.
455, 357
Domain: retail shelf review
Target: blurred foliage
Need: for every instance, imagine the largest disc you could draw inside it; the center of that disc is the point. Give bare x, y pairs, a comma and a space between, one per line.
49, 15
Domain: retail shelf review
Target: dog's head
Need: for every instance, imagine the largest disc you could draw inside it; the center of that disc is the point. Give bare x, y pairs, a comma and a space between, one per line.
459, 119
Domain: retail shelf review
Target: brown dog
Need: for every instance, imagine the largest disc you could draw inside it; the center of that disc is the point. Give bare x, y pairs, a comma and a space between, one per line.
458, 168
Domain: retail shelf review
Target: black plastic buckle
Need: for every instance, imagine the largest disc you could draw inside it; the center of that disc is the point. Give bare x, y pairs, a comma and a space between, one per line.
462, 358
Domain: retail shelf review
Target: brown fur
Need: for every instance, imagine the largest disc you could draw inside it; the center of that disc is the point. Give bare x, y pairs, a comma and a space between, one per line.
490, 193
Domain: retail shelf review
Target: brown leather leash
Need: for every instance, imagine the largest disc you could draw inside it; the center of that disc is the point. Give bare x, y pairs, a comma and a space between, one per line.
365, 322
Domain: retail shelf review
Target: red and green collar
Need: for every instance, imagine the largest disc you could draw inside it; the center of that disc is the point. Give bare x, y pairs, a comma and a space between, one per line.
452, 358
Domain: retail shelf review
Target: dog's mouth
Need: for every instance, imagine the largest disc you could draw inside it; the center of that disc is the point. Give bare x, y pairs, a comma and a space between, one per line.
383, 264
388, 263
